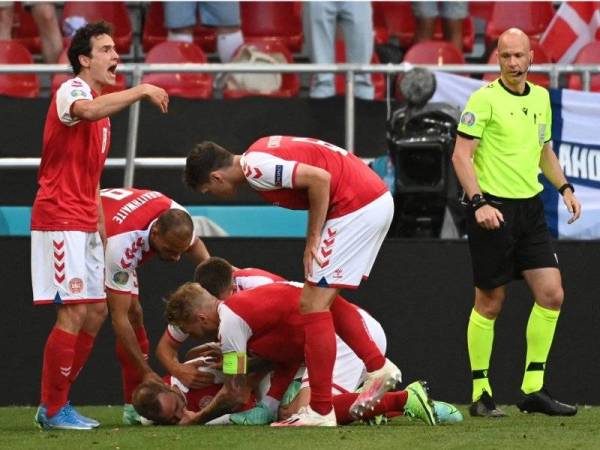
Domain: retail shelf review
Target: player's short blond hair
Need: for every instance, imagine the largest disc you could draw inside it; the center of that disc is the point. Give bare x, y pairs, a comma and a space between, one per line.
183, 304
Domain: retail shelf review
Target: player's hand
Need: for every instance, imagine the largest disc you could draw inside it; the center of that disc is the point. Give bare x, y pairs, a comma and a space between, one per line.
188, 417
210, 350
193, 378
158, 96
489, 218
572, 204
311, 252
152, 377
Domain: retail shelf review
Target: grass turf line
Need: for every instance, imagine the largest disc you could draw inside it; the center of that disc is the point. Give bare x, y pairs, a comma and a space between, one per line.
518, 431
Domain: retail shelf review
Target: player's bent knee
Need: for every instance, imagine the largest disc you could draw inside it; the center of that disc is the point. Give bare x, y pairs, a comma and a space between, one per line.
552, 299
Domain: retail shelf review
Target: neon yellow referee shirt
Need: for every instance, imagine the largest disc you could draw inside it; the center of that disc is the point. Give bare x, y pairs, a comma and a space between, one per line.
512, 129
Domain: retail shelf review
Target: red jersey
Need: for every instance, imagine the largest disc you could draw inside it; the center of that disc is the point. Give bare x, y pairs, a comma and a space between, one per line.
128, 217
270, 166
264, 322
73, 156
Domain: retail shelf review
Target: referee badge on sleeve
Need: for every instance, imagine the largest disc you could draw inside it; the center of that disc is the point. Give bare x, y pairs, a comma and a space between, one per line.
468, 119
541, 133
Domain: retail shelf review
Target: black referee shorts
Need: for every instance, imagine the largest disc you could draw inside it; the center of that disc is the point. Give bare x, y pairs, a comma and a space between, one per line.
522, 243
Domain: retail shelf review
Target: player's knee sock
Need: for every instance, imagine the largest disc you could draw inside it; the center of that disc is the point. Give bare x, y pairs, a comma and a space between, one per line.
540, 332
319, 356
83, 348
480, 338
58, 364
227, 45
390, 402
129, 372
351, 328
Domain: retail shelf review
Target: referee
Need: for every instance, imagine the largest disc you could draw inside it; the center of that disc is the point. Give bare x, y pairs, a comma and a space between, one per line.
503, 141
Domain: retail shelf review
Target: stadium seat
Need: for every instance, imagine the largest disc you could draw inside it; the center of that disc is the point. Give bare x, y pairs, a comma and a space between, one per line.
290, 82
434, 52
531, 17
155, 32
60, 78
273, 21
400, 23
382, 35
539, 57
589, 54
189, 85
25, 30
378, 79
22, 84
482, 10
113, 12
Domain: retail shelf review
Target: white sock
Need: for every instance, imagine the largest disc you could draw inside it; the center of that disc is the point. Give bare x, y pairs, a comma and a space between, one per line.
181, 37
227, 45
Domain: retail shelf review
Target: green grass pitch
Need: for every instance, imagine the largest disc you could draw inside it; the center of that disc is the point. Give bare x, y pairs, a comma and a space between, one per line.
518, 431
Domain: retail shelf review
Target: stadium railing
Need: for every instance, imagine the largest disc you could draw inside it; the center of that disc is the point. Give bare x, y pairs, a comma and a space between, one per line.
137, 70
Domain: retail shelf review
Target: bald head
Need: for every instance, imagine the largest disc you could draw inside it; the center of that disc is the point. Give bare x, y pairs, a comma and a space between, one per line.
515, 57
514, 37
172, 234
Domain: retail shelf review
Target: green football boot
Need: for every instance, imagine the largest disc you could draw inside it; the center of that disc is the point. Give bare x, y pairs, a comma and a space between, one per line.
418, 404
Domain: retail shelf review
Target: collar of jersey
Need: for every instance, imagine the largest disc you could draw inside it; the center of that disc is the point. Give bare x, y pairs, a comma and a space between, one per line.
525, 92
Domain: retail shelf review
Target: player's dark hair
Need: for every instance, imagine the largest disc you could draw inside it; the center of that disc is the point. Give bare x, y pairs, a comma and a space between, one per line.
81, 43
175, 221
205, 158
214, 275
146, 403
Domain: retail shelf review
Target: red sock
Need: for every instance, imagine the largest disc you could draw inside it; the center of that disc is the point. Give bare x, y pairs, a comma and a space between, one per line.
129, 373
58, 365
390, 402
281, 379
319, 356
83, 348
351, 328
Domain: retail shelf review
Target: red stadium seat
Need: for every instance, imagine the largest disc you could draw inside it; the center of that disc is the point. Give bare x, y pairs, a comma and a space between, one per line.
531, 17
539, 57
113, 12
378, 79
400, 23
25, 30
434, 52
189, 85
22, 84
483, 10
60, 78
589, 54
275, 21
290, 82
382, 35
155, 31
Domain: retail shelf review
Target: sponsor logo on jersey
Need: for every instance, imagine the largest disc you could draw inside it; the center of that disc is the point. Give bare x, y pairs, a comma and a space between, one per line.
338, 273
468, 119
75, 285
278, 175
121, 278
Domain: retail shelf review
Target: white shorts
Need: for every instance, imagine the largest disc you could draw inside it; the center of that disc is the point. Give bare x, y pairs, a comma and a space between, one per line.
349, 245
349, 372
67, 267
122, 282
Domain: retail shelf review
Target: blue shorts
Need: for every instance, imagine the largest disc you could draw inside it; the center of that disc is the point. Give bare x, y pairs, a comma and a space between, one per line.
212, 14
448, 10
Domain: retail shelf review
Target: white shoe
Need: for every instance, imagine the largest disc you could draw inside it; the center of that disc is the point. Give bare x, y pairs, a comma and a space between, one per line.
306, 417
377, 383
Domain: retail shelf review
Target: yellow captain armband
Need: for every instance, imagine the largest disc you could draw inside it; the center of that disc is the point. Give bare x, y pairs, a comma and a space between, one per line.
234, 363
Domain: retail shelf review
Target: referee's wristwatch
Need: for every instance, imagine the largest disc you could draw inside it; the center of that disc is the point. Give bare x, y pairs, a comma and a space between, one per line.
477, 201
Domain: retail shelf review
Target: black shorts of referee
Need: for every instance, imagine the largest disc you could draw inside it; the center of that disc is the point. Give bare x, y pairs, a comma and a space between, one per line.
523, 242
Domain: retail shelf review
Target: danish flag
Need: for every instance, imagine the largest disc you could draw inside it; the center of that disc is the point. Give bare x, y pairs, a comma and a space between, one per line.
573, 26
59, 264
